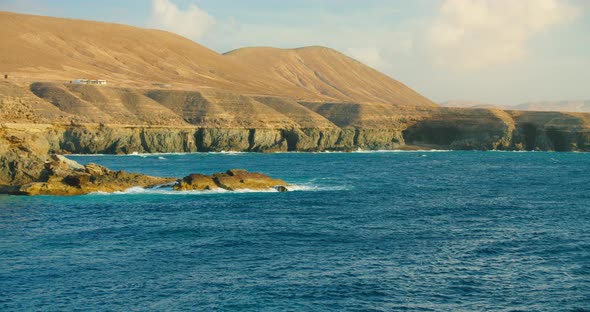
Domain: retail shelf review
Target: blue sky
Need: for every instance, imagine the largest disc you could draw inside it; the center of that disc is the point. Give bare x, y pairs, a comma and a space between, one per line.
494, 51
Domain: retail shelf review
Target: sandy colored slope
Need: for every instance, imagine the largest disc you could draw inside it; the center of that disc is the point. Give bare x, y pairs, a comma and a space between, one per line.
38, 48
211, 108
329, 73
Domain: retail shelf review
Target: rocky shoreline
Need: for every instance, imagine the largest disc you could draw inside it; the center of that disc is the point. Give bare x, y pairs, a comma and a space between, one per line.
63, 177
24, 146
28, 166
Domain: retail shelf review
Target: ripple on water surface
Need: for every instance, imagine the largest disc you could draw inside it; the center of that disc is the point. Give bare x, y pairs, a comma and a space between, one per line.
361, 231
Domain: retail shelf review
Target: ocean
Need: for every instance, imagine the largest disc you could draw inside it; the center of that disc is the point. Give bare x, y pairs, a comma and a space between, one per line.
378, 231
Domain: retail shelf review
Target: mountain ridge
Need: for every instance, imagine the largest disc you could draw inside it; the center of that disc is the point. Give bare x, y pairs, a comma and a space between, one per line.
39, 48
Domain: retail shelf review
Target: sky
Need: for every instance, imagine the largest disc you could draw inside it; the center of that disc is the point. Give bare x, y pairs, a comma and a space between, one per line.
490, 51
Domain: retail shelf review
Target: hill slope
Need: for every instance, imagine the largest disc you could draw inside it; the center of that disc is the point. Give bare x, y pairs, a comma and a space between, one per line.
38, 48
328, 73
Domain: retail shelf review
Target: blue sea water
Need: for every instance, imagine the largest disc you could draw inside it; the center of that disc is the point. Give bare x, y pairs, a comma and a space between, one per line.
400, 231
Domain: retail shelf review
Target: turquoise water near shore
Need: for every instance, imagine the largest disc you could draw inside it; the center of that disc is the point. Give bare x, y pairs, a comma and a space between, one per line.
390, 231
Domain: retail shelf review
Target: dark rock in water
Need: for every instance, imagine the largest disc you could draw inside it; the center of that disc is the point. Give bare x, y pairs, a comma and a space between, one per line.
234, 179
281, 188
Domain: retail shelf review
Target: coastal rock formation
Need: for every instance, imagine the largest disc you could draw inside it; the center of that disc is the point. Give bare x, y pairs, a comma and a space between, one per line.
61, 176
233, 179
64, 177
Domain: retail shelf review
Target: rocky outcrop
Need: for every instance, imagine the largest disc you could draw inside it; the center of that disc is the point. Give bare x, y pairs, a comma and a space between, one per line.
61, 176
64, 177
237, 179
232, 180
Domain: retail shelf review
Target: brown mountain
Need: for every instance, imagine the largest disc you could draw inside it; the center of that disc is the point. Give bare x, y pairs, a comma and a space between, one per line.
328, 73
38, 48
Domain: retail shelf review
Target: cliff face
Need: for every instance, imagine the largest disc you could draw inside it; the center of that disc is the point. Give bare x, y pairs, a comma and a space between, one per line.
486, 129
22, 151
96, 139
471, 130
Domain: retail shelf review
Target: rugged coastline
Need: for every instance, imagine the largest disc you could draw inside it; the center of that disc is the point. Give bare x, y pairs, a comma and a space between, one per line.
25, 148
478, 131
170, 94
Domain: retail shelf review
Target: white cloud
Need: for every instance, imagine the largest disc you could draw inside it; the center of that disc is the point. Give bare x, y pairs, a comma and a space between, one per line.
191, 23
472, 34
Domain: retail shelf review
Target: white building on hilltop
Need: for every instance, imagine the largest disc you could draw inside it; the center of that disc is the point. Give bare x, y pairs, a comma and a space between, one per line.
90, 82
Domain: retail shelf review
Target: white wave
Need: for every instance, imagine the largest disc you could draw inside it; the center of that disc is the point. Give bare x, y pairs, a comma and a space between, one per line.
505, 151
87, 155
317, 188
401, 151
134, 154
236, 153
167, 190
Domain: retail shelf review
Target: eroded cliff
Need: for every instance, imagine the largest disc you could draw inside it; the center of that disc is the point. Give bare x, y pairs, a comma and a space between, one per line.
89, 119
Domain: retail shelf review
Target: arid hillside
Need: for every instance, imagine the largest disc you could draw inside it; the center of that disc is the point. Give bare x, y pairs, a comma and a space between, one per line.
47, 49
329, 73
38, 48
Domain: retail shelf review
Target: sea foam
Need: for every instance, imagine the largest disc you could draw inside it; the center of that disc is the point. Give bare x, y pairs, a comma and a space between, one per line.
167, 190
